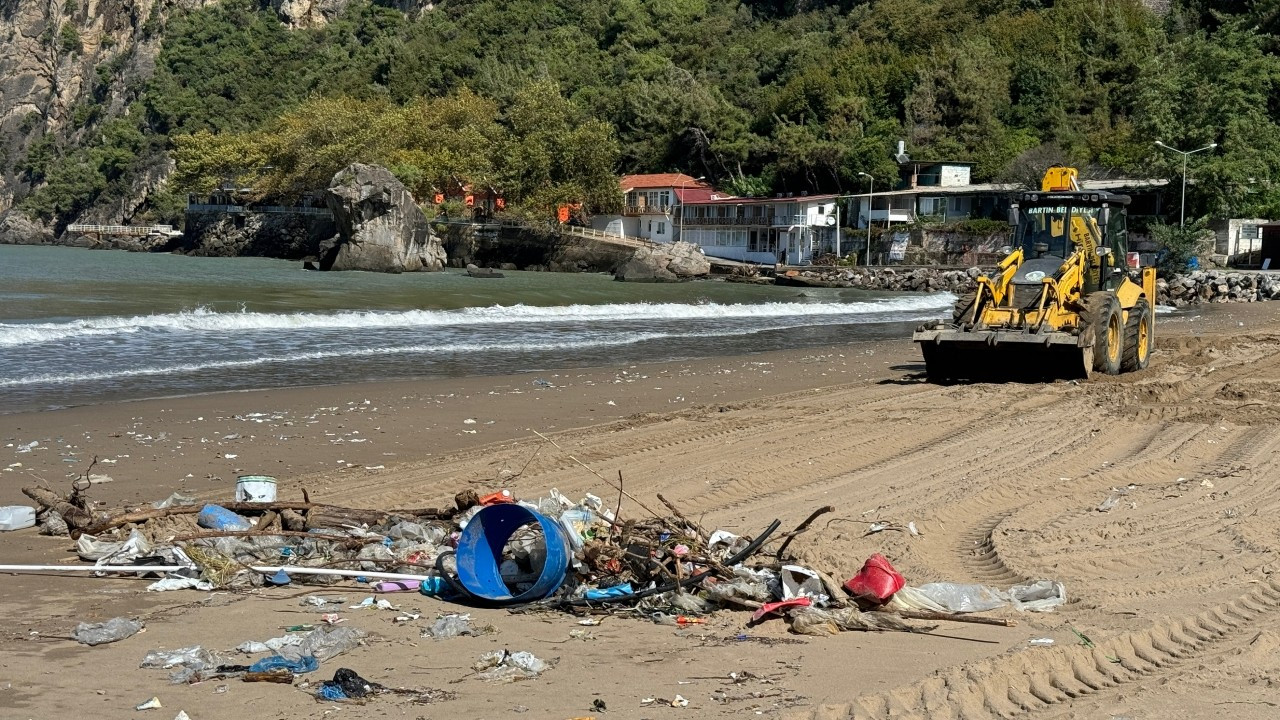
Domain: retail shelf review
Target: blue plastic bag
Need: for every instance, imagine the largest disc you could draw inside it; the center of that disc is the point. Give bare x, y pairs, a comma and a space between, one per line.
617, 591
304, 664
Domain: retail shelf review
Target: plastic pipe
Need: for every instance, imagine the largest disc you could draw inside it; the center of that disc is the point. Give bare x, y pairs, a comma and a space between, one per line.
288, 569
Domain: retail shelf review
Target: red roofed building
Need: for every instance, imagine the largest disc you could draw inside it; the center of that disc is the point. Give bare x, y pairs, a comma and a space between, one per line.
666, 207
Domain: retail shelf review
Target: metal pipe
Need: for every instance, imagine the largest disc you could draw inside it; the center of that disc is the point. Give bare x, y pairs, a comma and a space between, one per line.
270, 570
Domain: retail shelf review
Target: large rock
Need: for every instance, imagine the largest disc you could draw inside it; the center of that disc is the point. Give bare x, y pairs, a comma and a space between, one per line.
17, 228
380, 227
664, 263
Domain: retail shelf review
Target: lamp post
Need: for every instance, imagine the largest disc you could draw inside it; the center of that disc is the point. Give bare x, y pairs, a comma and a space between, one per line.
1182, 217
683, 186
871, 198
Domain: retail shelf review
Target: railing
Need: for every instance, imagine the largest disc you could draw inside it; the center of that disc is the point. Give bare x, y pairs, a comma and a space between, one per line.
742, 221
124, 229
656, 209
274, 209
781, 220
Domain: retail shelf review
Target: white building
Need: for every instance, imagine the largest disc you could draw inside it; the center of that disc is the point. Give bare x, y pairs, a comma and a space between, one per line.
792, 230
650, 207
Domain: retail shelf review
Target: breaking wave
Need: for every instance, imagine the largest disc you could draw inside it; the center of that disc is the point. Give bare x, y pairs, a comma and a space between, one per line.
204, 320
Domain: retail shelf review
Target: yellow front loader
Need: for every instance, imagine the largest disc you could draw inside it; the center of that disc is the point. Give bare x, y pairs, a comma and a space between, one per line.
1061, 304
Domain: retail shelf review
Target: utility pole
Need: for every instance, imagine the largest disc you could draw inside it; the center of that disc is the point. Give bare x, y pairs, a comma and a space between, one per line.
1182, 216
871, 198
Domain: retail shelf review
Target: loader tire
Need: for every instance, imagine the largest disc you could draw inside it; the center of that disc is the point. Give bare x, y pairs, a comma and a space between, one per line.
1102, 318
1139, 338
963, 310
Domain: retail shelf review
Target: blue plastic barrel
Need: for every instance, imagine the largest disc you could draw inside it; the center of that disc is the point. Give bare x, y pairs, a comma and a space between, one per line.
480, 546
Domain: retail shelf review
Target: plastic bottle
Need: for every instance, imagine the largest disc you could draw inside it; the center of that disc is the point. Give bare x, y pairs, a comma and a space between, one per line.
16, 517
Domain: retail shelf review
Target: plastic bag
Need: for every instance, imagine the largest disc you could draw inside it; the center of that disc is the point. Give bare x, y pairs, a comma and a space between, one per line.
1041, 596
876, 581
800, 581
345, 684
811, 621
304, 664
453, 626
959, 598
103, 552
758, 585
174, 500
253, 647
504, 666
325, 643
192, 663
107, 632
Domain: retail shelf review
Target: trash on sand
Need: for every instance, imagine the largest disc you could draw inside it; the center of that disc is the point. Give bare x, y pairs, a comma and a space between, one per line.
192, 663
345, 684
778, 607
303, 664
505, 666
103, 552
176, 499
494, 528
617, 591
320, 601
151, 704
182, 715
455, 625
802, 582
16, 517
813, 621
877, 581
107, 632
1041, 596
679, 701
1043, 642
179, 583
216, 517
252, 647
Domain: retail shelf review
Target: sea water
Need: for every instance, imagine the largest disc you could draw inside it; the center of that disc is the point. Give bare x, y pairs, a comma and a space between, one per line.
82, 326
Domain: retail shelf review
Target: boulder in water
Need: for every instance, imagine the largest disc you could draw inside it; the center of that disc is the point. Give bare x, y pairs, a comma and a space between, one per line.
380, 227
17, 228
664, 263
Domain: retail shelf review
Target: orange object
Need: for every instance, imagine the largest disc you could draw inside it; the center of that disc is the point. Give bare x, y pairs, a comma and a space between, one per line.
471, 200
562, 213
501, 203
502, 496
685, 620
439, 198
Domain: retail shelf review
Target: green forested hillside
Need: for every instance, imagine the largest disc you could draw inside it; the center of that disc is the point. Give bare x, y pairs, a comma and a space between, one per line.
546, 99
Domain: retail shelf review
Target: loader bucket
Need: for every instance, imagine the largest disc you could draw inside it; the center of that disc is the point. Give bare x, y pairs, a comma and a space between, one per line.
954, 355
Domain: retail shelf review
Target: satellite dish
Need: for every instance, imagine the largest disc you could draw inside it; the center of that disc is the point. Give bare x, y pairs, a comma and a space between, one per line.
831, 220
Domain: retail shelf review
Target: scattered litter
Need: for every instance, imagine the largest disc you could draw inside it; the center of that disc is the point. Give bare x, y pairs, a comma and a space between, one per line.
182, 715
345, 684
1042, 642
177, 499
877, 581
505, 666
108, 632
455, 625
151, 704
1206, 483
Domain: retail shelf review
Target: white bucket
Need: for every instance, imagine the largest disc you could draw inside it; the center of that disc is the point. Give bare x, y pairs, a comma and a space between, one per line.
256, 488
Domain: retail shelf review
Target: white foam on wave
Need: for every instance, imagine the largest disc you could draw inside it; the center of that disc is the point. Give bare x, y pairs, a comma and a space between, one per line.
51, 378
203, 320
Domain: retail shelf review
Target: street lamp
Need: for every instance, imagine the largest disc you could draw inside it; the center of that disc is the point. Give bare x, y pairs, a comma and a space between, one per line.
684, 184
1182, 218
871, 198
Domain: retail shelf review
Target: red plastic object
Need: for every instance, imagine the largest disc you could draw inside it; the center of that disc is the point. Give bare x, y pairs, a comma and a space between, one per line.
778, 607
876, 581
502, 496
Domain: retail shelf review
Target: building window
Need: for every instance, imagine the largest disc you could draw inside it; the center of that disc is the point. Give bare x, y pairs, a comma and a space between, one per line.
650, 226
662, 227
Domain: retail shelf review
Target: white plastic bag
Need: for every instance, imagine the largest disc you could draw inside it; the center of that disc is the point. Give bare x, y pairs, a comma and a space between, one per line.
1040, 596
959, 598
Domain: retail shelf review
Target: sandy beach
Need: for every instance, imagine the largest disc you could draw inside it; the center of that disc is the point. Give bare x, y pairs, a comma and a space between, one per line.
1173, 586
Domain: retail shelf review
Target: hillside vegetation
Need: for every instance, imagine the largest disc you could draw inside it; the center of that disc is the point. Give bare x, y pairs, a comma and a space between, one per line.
547, 100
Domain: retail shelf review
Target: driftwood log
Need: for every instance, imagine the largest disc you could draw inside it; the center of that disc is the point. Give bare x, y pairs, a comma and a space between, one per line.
76, 517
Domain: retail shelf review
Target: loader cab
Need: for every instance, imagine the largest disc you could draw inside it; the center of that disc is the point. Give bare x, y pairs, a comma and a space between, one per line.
1052, 226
